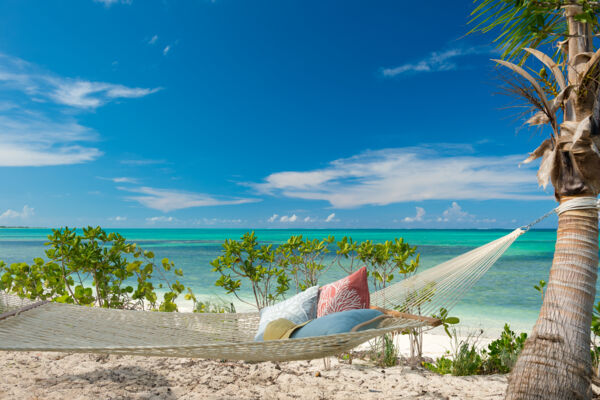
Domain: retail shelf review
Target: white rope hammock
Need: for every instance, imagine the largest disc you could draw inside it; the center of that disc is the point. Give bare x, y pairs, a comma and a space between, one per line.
47, 326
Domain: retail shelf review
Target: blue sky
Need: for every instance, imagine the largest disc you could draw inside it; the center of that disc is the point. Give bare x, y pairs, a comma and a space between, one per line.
257, 114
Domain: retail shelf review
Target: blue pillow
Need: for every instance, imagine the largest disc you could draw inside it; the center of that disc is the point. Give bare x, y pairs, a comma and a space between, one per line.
298, 309
341, 322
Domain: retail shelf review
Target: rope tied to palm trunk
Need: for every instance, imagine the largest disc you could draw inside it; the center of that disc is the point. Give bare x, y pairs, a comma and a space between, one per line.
578, 203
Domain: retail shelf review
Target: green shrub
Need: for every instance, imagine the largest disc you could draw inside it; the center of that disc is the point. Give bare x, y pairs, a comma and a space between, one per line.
219, 307
95, 268
270, 271
501, 355
467, 360
258, 265
442, 365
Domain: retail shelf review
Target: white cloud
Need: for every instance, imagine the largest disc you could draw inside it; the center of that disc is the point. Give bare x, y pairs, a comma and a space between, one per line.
22, 76
457, 214
118, 219
273, 218
435, 61
26, 212
330, 217
30, 139
124, 179
166, 49
169, 200
108, 3
153, 39
153, 220
218, 221
87, 94
418, 216
308, 219
288, 218
407, 174
142, 162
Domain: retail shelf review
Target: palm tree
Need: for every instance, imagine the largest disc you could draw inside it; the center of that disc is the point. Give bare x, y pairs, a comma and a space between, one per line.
555, 362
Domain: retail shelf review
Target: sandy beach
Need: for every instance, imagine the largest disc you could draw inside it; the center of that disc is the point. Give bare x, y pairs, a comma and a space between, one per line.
34, 376
90, 376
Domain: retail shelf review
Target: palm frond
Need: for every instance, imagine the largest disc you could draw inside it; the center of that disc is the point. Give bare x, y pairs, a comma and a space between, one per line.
526, 23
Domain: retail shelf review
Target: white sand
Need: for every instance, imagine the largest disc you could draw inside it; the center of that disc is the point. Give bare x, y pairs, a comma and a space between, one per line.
34, 376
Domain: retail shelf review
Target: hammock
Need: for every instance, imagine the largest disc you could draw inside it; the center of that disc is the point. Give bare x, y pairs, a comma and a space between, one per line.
46, 326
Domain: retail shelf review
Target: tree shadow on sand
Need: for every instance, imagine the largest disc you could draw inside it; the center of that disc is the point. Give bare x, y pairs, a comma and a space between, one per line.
133, 379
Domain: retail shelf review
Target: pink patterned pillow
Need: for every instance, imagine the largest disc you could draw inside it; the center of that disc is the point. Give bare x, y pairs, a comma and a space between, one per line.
349, 293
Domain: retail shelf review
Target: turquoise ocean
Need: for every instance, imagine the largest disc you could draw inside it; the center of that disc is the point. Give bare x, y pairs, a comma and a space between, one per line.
504, 294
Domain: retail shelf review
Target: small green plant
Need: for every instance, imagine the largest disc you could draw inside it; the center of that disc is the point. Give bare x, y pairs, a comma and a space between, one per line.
246, 259
95, 268
446, 320
501, 355
383, 351
540, 287
442, 366
467, 360
219, 307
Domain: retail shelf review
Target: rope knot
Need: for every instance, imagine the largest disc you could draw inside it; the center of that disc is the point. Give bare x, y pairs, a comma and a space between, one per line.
578, 203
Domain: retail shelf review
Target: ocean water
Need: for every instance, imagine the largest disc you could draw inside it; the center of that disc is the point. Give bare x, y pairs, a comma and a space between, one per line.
504, 294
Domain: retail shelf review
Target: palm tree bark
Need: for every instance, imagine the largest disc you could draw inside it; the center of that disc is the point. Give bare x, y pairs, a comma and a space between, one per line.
555, 362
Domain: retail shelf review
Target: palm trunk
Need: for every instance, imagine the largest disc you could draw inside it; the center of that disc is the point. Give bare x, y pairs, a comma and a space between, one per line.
555, 362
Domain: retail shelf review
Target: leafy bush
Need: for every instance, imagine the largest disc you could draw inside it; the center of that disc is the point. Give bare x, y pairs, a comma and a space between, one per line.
499, 357
304, 260
443, 365
502, 353
381, 259
467, 360
257, 264
95, 268
299, 263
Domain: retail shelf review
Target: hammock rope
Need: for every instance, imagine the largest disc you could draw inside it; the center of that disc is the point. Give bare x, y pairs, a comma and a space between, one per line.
47, 326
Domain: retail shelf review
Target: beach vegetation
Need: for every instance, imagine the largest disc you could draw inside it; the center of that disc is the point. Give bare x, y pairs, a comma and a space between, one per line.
384, 261
467, 358
257, 265
383, 351
214, 306
501, 354
299, 263
540, 287
96, 268
304, 259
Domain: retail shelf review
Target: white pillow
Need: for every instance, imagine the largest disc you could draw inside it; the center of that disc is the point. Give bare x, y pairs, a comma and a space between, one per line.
298, 309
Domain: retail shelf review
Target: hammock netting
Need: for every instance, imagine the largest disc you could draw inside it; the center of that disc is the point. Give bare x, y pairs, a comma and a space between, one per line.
26, 325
